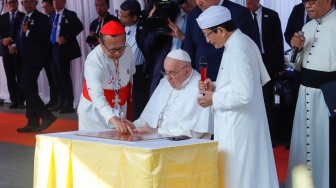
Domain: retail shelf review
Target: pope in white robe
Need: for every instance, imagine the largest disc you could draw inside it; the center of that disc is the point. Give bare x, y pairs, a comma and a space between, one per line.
107, 86
173, 109
310, 136
245, 152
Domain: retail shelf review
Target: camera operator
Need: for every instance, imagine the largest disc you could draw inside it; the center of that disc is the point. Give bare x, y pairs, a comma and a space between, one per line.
104, 16
164, 31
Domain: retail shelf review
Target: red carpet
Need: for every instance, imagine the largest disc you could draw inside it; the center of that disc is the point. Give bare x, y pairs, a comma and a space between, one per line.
10, 122
281, 162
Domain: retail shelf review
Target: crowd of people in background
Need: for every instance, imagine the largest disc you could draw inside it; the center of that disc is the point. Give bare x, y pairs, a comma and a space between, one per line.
142, 69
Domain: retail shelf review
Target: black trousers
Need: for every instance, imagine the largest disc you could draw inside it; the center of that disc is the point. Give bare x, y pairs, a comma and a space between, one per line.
13, 71
268, 100
61, 71
140, 92
52, 86
35, 108
291, 111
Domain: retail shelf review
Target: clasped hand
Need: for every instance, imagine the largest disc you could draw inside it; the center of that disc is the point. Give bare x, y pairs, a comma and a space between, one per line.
6, 41
206, 88
298, 41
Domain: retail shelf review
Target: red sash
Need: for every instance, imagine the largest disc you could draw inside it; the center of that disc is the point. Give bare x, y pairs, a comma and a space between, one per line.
125, 95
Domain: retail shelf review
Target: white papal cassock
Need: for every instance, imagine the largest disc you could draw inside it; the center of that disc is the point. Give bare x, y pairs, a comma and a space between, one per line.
245, 152
182, 115
97, 103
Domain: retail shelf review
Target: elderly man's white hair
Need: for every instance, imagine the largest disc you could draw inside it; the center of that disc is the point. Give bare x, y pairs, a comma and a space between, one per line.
179, 55
213, 16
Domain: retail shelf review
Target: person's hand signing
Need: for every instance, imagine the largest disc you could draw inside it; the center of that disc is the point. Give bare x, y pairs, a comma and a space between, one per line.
121, 126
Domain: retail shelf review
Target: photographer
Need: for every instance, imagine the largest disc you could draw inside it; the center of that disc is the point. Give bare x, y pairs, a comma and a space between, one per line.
104, 16
161, 33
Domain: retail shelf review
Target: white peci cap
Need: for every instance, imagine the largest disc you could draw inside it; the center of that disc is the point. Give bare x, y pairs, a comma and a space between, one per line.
213, 16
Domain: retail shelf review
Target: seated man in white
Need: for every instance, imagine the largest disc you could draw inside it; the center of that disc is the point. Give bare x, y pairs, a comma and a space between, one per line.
173, 109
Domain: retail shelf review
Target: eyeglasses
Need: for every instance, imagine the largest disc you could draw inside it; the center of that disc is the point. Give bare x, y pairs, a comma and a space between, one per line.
311, 2
213, 30
172, 74
122, 17
114, 50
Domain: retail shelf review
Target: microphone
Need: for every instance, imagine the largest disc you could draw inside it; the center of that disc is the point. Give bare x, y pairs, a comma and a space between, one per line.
203, 64
295, 51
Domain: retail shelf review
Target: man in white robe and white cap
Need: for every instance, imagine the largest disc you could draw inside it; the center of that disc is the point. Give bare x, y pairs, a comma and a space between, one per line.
245, 157
108, 78
173, 109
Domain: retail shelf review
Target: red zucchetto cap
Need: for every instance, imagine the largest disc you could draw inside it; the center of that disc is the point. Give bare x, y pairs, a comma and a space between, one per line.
112, 28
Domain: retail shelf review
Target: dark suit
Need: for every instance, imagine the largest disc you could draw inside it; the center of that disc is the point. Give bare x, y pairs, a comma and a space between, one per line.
195, 43
272, 40
11, 67
50, 77
95, 22
154, 47
273, 58
156, 50
34, 55
70, 27
94, 25
295, 22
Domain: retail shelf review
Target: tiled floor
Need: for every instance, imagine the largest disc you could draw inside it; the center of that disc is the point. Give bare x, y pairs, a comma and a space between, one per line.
17, 161
16, 165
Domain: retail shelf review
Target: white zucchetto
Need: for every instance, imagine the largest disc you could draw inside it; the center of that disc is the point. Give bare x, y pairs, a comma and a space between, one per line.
213, 16
179, 55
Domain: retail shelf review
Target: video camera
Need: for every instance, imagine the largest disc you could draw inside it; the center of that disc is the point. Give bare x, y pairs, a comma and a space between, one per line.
165, 9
